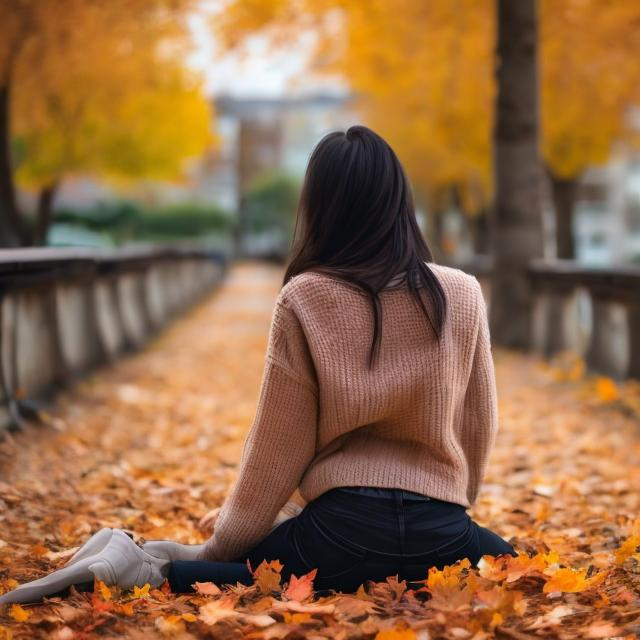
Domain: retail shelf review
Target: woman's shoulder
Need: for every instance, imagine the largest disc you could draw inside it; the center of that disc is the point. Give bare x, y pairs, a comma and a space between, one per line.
311, 286
453, 276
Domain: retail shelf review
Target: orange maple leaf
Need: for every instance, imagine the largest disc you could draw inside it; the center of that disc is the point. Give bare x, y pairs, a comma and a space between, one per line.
300, 588
267, 576
448, 588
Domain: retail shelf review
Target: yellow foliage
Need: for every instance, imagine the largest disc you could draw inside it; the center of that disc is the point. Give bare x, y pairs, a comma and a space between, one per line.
101, 88
424, 76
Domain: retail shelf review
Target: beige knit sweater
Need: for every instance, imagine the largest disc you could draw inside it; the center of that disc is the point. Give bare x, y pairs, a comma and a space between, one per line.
423, 419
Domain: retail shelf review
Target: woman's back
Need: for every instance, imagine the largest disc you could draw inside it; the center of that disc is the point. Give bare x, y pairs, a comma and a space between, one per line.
422, 419
402, 423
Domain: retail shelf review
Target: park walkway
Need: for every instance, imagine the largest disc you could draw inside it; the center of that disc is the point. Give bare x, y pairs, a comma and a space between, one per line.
151, 443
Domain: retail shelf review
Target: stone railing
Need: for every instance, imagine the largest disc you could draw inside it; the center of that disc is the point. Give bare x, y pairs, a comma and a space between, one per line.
65, 311
594, 312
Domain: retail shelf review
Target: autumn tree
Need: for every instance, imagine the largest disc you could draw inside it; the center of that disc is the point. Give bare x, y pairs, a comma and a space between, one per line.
424, 76
589, 57
92, 87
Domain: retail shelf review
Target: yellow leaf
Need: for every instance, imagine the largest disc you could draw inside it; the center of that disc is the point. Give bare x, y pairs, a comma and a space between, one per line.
568, 580
141, 592
103, 589
627, 549
18, 613
189, 617
448, 589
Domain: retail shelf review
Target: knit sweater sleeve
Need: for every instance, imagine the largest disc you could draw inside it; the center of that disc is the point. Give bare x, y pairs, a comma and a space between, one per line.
280, 444
480, 410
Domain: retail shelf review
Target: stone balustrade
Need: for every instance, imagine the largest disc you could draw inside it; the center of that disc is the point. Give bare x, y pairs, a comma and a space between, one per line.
66, 311
592, 311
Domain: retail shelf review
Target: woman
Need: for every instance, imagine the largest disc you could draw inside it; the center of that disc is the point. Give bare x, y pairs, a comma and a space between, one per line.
378, 403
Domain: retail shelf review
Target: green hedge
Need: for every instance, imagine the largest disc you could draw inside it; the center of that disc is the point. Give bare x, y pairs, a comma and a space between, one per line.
126, 221
271, 202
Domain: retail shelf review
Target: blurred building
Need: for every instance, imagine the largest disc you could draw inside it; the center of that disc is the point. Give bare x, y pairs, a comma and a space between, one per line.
266, 135
607, 215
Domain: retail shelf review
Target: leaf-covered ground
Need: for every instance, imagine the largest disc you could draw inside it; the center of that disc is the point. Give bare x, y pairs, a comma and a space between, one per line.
151, 444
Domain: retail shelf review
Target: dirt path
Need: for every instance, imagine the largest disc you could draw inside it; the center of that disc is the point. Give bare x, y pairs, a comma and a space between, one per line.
151, 444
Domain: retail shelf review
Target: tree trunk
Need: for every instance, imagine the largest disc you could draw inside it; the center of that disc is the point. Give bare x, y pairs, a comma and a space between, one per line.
517, 220
479, 232
436, 235
564, 194
12, 229
45, 212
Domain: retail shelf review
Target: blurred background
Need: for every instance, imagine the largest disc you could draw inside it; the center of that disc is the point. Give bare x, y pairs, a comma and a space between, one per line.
160, 120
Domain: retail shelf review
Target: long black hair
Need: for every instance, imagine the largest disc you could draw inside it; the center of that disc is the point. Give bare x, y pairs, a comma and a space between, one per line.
356, 221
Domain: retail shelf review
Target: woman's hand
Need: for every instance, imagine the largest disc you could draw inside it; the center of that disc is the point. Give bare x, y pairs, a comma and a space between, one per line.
290, 510
208, 520
207, 524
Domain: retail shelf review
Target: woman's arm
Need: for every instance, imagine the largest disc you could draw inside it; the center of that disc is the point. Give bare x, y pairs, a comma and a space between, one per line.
480, 412
279, 446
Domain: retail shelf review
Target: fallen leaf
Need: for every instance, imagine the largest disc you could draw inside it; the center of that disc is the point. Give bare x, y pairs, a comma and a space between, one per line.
207, 588
396, 634
300, 588
17, 612
267, 576
570, 580
141, 592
